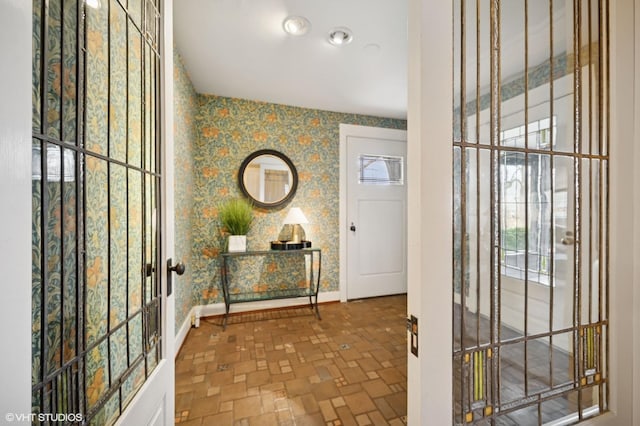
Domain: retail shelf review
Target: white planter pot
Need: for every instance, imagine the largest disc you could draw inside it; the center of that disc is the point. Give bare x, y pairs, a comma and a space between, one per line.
237, 243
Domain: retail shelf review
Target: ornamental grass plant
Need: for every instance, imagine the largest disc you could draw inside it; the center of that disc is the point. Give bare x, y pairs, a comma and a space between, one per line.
236, 216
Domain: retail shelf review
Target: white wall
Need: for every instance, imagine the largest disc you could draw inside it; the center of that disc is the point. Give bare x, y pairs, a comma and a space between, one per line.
15, 206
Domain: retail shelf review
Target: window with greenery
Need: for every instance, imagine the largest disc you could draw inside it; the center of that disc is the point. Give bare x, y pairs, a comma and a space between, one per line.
525, 194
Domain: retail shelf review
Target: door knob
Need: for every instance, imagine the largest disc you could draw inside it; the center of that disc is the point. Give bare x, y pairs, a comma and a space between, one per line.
568, 239
352, 227
178, 268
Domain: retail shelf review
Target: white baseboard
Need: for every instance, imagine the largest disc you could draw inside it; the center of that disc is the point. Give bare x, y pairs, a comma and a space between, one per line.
218, 309
181, 335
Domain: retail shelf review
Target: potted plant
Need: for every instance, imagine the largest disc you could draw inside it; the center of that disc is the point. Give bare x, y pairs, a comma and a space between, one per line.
236, 216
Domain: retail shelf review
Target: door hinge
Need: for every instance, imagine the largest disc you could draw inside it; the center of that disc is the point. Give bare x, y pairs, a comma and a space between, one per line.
412, 328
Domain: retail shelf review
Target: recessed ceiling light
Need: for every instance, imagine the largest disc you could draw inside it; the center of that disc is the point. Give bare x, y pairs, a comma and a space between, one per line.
296, 25
340, 36
93, 3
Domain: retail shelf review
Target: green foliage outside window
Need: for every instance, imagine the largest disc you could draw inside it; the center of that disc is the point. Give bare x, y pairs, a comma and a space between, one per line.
513, 239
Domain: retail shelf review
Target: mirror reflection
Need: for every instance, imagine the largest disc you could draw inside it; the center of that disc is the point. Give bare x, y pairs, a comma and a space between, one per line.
268, 178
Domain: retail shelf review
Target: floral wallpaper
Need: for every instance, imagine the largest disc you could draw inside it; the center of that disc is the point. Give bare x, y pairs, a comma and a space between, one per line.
185, 135
231, 129
212, 136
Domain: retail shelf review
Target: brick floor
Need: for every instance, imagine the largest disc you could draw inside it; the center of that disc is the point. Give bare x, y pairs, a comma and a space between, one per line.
285, 367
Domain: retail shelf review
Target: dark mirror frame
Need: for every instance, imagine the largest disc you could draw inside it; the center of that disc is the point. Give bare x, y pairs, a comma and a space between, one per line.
294, 178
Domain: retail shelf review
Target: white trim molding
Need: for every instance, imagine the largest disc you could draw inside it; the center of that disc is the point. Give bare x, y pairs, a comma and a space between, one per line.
429, 205
623, 255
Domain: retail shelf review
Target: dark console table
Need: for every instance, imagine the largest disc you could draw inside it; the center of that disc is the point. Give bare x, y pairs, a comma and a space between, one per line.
284, 290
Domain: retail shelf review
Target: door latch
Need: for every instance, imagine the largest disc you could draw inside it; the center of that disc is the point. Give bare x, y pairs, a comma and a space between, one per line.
412, 328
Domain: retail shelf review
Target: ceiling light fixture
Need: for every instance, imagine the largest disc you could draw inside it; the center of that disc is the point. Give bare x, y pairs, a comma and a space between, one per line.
296, 25
95, 4
340, 36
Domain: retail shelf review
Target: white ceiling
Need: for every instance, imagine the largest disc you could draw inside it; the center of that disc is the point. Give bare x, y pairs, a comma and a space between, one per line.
237, 48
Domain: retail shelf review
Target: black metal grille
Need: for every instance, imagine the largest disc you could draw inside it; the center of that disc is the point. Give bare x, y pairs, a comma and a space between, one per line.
531, 347
95, 307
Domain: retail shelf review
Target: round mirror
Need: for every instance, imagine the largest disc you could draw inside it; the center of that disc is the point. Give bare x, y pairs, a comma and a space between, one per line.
268, 178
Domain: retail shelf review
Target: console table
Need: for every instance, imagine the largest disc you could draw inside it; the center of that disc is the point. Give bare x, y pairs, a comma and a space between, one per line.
285, 289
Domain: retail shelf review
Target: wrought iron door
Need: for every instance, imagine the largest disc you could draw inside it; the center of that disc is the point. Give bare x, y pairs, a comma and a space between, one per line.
96, 306
531, 167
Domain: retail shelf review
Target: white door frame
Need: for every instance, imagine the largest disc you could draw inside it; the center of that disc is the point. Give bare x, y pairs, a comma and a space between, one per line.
430, 220
364, 132
15, 211
625, 215
429, 205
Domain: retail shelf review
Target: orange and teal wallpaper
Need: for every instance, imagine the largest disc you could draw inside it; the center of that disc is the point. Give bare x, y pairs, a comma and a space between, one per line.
231, 129
185, 136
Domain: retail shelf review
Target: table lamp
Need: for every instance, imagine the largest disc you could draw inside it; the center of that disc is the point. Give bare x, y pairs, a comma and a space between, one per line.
292, 230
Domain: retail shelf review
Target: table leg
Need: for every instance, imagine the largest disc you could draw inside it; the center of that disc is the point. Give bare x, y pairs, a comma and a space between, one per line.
316, 283
225, 292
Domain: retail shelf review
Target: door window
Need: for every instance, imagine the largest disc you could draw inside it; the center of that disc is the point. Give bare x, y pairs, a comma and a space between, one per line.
380, 170
95, 241
530, 253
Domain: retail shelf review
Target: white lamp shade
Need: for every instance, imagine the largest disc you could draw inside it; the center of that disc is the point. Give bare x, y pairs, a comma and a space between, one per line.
295, 216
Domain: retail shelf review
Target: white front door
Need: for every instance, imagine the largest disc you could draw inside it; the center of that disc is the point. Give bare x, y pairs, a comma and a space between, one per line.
376, 211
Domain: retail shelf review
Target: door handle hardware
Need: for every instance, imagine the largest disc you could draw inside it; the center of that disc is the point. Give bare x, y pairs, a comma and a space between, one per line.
178, 268
568, 239
149, 269
352, 227
412, 328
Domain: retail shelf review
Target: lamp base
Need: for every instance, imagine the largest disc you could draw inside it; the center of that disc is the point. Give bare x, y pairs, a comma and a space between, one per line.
292, 233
